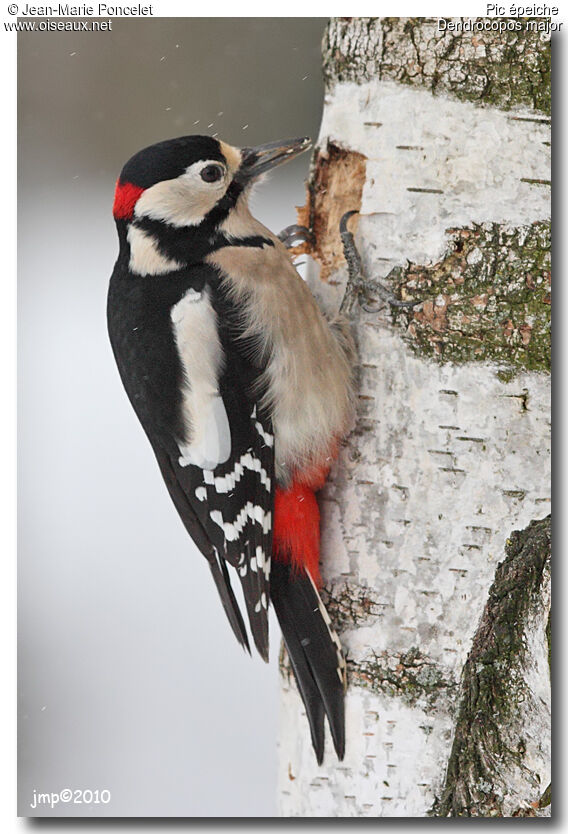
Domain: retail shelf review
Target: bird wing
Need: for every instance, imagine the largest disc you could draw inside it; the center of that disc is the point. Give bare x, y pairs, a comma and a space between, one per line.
222, 480
227, 510
199, 535
194, 384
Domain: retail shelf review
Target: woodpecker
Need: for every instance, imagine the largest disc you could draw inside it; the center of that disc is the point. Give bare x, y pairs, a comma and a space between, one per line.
243, 387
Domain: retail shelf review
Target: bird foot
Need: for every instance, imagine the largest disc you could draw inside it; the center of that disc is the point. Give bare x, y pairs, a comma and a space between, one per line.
292, 235
359, 288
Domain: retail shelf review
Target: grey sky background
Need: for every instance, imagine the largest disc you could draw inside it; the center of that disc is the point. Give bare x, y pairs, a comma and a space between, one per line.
129, 677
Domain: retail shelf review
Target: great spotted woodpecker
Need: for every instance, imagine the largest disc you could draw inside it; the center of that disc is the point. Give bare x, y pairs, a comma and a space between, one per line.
242, 386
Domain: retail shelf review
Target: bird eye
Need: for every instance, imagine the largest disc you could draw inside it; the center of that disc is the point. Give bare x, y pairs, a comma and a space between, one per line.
211, 173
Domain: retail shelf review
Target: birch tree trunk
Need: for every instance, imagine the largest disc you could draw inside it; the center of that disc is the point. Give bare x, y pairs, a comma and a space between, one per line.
436, 540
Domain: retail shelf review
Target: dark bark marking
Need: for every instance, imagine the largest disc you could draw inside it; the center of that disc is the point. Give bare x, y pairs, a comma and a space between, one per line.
492, 682
505, 69
487, 299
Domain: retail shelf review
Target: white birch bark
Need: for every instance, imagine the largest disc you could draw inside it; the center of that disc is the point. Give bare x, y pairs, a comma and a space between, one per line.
450, 454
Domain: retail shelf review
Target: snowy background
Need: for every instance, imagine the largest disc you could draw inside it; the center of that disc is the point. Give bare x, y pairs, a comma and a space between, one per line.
129, 677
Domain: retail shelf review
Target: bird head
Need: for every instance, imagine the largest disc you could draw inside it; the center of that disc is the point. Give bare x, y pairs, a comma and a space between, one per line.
185, 181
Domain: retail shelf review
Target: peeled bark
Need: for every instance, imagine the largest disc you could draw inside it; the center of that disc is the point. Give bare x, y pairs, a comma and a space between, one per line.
443, 146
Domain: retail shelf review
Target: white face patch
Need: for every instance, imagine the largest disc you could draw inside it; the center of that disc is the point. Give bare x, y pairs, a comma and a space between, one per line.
145, 258
185, 200
233, 157
208, 435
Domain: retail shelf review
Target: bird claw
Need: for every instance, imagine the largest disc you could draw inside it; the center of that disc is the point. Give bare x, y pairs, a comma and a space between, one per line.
292, 235
359, 288
386, 295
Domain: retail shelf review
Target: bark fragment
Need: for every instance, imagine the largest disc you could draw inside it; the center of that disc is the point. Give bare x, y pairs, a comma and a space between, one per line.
336, 185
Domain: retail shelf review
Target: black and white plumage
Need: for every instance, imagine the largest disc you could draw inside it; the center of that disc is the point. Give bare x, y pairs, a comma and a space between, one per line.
227, 493
240, 384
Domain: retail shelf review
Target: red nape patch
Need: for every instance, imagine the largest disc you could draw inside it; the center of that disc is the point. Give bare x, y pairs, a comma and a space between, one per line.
296, 529
125, 198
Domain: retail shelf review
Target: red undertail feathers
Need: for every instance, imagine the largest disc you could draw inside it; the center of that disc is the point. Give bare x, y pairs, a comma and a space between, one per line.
296, 523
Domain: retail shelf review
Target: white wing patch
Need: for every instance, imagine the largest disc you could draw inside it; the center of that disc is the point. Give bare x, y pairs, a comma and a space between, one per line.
201, 493
233, 529
266, 436
212, 444
237, 522
208, 435
263, 561
262, 603
226, 483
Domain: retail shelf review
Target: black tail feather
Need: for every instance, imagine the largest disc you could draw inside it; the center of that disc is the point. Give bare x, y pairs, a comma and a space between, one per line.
230, 604
314, 653
306, 683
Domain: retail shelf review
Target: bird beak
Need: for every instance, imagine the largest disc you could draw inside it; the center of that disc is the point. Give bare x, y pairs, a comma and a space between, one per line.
258, 160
